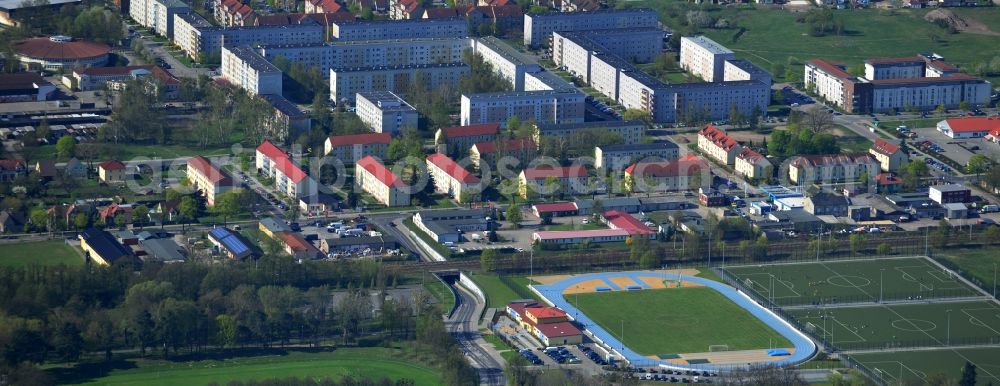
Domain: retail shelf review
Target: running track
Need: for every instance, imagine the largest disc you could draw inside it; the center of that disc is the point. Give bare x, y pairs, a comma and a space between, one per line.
553, 293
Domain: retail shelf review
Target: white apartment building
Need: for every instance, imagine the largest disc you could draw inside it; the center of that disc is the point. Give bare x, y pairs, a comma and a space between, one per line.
506, 61
666, 176
385, 112
704, 57
753, 165
630, 131
245, 68
617, 157
639, 45
829, 81
452, 179
894, 68
157, 15
928, 93
456, 27
207, 178
539, 106
374, 53
739, 69
809, 169
380, 182
351, 148
457, 139
538, 28
289, 178
718, 145
345, 83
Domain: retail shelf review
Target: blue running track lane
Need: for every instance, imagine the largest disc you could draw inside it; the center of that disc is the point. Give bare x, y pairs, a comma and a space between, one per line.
553, 293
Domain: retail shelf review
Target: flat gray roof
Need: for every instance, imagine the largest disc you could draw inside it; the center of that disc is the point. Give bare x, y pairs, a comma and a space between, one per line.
709, 45
18, 4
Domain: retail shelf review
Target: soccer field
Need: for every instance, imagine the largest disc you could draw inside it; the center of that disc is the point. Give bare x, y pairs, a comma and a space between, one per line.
906, 325
851, 281
916, 366
676, 321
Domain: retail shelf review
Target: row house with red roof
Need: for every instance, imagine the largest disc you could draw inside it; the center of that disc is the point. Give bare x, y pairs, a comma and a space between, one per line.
10, 169
753, 165
289, 178
616, 219
208, 178
889, 155
405, 9
831, 168
324, 6
456, 140
680, 174
452, 179
520, 150
351, 148
551, 325
718, 145
111, 172
569, 179
234, 13
377, 180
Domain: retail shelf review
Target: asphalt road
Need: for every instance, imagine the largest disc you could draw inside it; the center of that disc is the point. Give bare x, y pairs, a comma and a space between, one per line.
463, 327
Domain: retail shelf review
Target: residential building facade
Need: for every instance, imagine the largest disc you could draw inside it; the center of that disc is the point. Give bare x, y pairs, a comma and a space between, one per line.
245, 68
452, 179
289, 178
351, 148
207, 178
385, 112
380, 182
718, 145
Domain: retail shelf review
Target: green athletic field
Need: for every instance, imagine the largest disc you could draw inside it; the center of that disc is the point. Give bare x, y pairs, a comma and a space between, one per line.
52, 252
915, 366
904, 325
357, 362
677, 321
851, 281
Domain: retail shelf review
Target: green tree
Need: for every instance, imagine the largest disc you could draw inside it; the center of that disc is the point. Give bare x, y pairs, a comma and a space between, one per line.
230, 203
963, 105
942, 234
517, 373
941, 109
992, 235
81, 221
968, 375
188, 208
140, 214
978, 164
884, 249
226, 328
513, 215
649, 259
488, 260
67, 342
857, 241
66, 147
913, 175
638, 115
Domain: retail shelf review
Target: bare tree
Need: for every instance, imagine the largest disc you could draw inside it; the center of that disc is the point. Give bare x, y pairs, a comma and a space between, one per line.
763, 376
818, 119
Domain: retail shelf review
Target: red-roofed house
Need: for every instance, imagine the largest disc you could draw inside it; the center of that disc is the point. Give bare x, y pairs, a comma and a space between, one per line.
350, 148
298, 247
550, 324
10, 169
568, 178
324, 6
617, 219
718, 145
289, 178
752, 164
555, 209
973, 127
461, 138
406, 9
666, 176
524, 150
111, 172
577, 237
889, 156
887, 183
380, 182
831, 167
233, 13
451, 178
208, 178
993, 136
440, 13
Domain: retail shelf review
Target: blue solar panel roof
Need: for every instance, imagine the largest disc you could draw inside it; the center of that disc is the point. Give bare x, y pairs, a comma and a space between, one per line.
229, 240
219, 233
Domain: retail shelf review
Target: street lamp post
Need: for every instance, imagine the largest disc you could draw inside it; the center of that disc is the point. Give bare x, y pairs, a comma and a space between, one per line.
880, 273
949, 326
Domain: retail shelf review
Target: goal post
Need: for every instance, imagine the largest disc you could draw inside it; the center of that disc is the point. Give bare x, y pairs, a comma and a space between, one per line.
718, 347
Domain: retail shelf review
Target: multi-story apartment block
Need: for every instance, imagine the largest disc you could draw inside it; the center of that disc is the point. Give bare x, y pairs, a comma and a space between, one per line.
704, 57
325, 20
157, 15
679, 174
892, 84
739, 69
718, 145
635, 45
374, 53
538, 28
506, 61
617, 157
288, 120
889, 156
345, 83
520, 150
196, 36
289, 178
539, 106
457, 139
244, 67
568, 179
753, 165
831, 168
380, 182
452, 179
631, 131
351, 148
385, 112
208, 178
456, 27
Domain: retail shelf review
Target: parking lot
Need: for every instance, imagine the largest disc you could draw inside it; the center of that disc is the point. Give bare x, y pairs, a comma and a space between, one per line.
957, 150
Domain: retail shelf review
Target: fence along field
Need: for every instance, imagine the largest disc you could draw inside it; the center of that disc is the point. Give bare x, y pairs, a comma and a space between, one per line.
915, 366
856, 281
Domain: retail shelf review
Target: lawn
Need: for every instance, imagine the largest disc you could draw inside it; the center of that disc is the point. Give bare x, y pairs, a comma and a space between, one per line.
501, 290
677, 321
53, 252
850, 141
905, 325
910, 123
125, 151
374, 363
772, 36
442, 294
851, 281
980, 263
916, 366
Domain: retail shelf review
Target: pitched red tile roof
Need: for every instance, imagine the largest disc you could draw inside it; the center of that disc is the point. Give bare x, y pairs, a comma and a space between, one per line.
545, 312
973, 124
831, 69
685, 166
512, 145
543, 172
750, 156
884, 147
383, 174
281, 161
832, 159
556, 207
558, 330
718, 137
325, 19
330, 6
888, 179
452, 168
505, 11
205, 167
471, 130
45, 48
440, 13
295, 241
621, 220
359, 139
112, 165
908, 59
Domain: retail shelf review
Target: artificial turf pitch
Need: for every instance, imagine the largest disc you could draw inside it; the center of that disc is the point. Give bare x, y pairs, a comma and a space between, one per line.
904, 325
677, 320
851, 281
915, 366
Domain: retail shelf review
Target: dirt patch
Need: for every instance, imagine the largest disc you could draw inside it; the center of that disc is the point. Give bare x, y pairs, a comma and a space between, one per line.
970, 25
